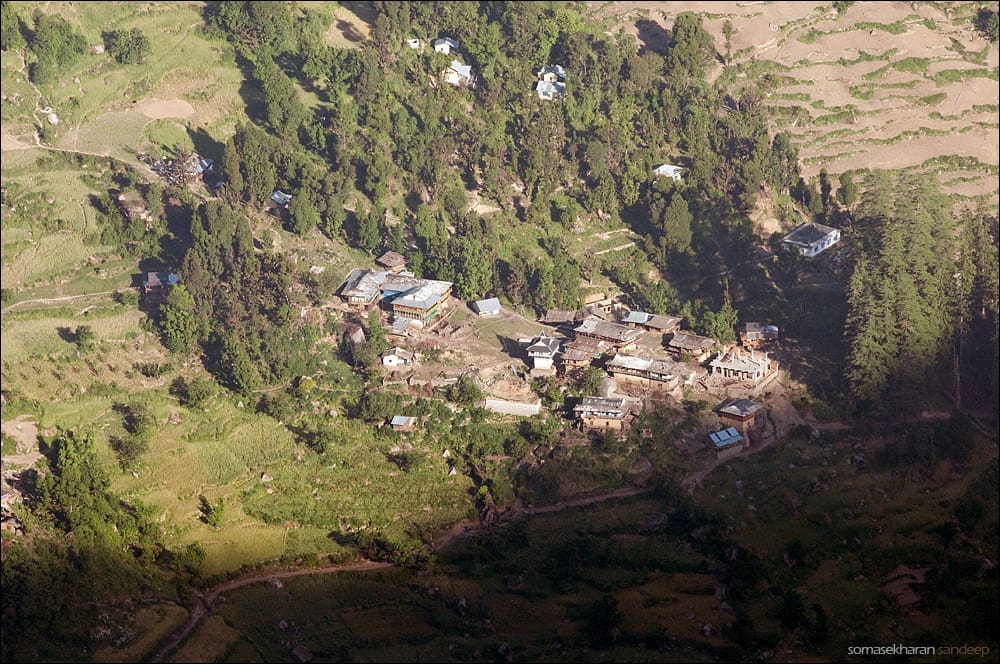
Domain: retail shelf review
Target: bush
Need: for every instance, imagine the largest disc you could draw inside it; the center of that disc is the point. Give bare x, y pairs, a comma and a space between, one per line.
57, 46
213, 513
152, 369
127, 297
193, 392
986, 22
137, 419
128, 47
85, 338
128, 449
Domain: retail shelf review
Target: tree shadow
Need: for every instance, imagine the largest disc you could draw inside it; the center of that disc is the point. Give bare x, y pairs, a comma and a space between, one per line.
205, 145
365, 11
66, 334
350, 33
652, 37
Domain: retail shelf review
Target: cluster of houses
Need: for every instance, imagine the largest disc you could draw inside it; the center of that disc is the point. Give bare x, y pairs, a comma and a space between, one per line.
613, 346
457, 73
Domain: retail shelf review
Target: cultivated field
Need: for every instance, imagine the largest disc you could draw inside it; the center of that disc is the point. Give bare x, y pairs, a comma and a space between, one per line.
886, 85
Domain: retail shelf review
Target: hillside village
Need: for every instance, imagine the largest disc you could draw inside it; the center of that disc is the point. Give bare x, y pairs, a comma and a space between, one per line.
512, 313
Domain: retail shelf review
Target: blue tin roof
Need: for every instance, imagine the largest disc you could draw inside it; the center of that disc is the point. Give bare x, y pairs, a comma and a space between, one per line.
280, 197
725, 438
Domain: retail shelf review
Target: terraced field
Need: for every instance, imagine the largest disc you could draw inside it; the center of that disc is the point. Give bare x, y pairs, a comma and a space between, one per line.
887, 85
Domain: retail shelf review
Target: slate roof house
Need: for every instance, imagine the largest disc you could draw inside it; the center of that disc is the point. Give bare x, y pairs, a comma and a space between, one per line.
459, 75
362, 287
619, 336
657, 375
392, 262
156, 286
744, 415
552, 74
753, 335
581, 352
685, 343
603, 414
652, 322
422, 300
542, 350
561, 317
403, 423
549, 91
397, 357
280, 197
811, 239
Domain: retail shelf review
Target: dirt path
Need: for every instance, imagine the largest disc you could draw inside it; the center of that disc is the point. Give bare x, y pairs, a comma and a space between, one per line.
204, 604
618, 248
67, 298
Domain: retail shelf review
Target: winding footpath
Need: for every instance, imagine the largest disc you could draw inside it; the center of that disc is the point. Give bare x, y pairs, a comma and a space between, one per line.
204, 604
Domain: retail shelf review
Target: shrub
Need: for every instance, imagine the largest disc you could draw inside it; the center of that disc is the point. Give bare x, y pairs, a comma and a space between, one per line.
85, 338
193, 392
128, 47
128, 449
127, 297
986, 21
152, 369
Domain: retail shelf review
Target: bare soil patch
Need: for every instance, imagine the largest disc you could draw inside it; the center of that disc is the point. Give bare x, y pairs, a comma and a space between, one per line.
160, 109
351, 25
24, 430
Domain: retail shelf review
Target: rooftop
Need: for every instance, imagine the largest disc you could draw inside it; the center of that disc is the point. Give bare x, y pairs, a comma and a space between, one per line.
424, 296
808, 234
600, 405
668, 170
739, 407
391, 259
544, 345
402, 421
489, 304
725, 438
156, 279
560, 316
646, 364
736, 361
464, 71
513, 407
399, 352
652, 320
613, 331
589, 345
549, 89
759, 328
445, 40
363, 283
280, 197
558, 70
686, 341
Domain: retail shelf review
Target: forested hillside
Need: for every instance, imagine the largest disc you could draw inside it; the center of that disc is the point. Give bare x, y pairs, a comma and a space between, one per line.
241, 421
